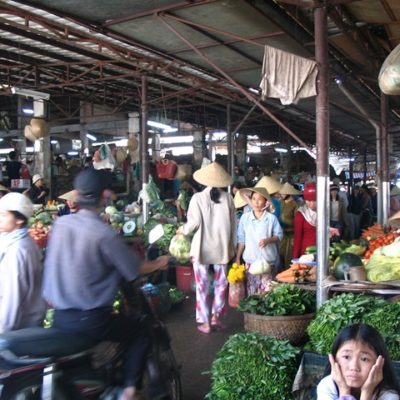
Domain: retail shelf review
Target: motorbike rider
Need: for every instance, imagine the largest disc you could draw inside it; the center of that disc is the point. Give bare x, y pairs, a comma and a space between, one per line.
85, 263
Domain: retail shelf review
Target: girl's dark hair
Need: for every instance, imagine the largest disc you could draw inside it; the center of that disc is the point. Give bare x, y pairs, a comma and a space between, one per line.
215, 194
20, 217
370, 336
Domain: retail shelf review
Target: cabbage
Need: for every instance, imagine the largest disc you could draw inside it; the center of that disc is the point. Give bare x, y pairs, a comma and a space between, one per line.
110, 210
180, 248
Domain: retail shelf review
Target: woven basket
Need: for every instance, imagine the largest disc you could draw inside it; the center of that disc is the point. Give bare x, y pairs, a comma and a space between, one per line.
287, 327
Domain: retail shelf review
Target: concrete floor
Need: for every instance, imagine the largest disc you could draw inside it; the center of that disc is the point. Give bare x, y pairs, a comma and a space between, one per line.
196, 351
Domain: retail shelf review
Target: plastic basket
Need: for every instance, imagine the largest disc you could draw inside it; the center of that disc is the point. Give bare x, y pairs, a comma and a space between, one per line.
286, 327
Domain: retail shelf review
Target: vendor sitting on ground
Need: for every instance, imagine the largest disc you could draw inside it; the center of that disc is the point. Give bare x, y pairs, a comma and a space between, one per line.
37, 192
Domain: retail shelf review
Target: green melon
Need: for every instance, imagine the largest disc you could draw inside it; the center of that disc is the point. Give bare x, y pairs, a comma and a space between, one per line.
344, 261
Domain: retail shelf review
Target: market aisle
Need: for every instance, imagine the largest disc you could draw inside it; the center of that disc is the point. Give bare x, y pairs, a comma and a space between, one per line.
195, 351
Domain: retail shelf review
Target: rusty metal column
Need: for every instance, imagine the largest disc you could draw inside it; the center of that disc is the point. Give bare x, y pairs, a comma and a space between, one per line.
322, 127
144, 162
230, 142
385, 159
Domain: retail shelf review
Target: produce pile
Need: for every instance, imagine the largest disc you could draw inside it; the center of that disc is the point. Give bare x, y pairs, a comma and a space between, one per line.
39, 226
283, 299
349, 308
298, 273
252, 366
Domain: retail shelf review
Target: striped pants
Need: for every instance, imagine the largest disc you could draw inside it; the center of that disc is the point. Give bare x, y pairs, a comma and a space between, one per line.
202, 291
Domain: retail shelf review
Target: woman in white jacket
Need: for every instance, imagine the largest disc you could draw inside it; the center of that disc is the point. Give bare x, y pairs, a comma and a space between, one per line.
21, 303
211, 215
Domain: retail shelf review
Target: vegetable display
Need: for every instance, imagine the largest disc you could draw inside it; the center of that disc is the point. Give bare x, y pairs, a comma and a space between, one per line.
284, 299
251, 366
349, 308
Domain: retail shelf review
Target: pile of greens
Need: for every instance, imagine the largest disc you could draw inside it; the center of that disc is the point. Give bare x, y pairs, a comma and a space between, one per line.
252, 366
162, 243
284, 299
350, 308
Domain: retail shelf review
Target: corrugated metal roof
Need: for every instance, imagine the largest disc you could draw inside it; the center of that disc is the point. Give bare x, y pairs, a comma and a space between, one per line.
99, 49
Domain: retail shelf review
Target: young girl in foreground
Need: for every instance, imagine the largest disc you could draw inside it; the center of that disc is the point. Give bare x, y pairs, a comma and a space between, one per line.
360, 367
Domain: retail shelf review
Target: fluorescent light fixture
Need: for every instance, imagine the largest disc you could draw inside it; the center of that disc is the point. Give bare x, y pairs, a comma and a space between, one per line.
164, 127
181, 150
53, 141
91, 137
176, 139
253, 149
281, 149
1, 139
27, 107
6, 151
30, 93
73, 153
256, 91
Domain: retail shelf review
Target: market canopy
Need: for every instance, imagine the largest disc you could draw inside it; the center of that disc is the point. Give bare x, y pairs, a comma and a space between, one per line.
199, 56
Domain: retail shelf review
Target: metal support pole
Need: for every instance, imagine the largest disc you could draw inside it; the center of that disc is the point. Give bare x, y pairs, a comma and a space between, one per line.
322, 127
143, 146
230, 142
385, 159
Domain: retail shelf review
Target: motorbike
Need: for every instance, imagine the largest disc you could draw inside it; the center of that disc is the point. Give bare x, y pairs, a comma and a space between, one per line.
46, 364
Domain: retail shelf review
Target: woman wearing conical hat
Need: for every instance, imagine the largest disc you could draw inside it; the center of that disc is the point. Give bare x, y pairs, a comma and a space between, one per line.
211, 215
288, 209
259, 233
272, 186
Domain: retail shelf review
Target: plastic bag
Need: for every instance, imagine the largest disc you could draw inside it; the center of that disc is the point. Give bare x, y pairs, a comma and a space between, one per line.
259, 267
237, 292
104, 158
166, 169
150, 192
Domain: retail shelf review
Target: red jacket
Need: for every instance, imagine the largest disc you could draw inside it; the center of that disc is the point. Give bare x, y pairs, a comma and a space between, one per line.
304, 235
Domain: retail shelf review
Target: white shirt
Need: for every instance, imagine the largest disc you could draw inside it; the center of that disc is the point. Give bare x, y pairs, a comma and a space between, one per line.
21, 303
326, 390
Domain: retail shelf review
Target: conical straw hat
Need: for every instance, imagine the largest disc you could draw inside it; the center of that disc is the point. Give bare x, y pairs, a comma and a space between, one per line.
271, 184
213, 175
72, 195
287, 188
39, 127
3, 189
246, 193
238, 200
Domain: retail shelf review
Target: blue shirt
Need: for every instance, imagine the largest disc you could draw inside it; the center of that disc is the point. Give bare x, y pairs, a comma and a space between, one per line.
251, 230
85, 262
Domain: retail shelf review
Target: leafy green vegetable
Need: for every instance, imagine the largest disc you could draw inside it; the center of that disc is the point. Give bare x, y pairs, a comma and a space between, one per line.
350, 308
252, 366
176, 295
284, 299
180, 248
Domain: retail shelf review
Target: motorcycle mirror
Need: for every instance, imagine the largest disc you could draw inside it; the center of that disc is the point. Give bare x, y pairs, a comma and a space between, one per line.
156, 233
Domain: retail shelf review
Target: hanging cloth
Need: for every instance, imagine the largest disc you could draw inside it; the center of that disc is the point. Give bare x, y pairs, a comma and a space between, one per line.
287, 76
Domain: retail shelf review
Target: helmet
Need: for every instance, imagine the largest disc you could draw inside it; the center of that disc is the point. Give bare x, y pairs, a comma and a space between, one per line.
17, 202
310, 191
